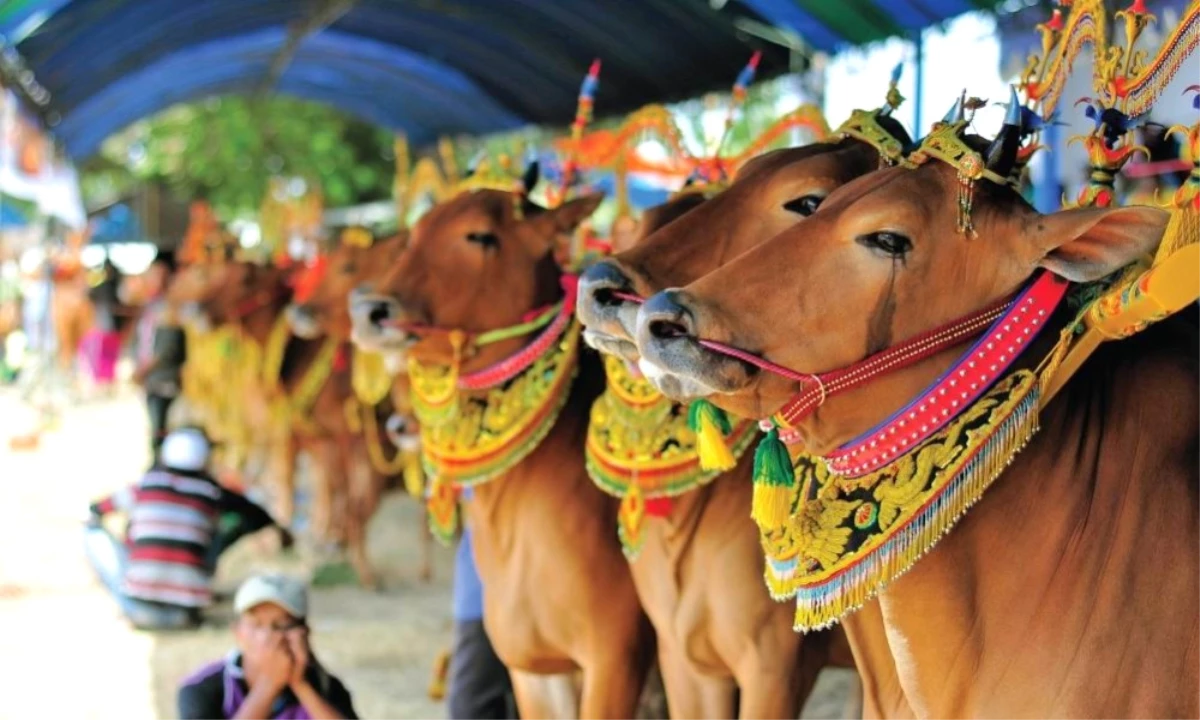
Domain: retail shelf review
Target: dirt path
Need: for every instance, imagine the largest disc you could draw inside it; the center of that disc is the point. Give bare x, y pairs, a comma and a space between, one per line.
381, 644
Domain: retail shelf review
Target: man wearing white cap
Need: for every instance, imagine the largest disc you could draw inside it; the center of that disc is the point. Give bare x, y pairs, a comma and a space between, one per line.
272, 673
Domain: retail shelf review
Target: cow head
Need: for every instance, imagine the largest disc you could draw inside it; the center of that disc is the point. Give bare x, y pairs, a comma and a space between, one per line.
770, 194
882, 260
324, 308
479, 261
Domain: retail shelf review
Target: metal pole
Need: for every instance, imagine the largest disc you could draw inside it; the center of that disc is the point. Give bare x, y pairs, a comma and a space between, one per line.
919, 42
1047, 193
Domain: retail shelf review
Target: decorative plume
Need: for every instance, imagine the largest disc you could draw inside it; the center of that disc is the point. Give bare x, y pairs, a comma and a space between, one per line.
1114, 122
894, 98
740, 85
583, 116
1196, 99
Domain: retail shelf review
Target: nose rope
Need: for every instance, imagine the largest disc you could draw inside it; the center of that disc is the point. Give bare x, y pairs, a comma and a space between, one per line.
628, 297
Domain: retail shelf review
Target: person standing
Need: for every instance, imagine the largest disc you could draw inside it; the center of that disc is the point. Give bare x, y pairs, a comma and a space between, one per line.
160, 349
478, 684
102, 343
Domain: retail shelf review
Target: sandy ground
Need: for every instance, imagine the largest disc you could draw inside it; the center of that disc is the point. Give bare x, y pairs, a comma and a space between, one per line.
58, 625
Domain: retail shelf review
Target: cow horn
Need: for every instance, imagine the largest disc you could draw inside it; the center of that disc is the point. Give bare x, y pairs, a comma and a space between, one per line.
530, 179
1002, 153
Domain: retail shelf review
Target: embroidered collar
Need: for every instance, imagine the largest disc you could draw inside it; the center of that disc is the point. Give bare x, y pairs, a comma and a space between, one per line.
641, 449
468, 438
847, 538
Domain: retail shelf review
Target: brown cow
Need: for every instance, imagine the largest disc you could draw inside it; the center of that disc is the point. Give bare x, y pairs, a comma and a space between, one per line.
1071, 588
771, 193
326, 313
725, 648
559, 593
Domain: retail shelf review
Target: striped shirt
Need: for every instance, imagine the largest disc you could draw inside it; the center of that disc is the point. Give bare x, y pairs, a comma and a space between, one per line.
173, 519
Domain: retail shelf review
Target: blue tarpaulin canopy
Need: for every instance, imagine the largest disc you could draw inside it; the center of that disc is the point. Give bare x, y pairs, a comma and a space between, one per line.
427, 67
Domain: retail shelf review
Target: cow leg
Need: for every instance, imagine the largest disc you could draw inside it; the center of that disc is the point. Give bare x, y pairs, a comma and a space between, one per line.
773, 689
425, 543
323, 455
283, 462
690, 694
545, 697
365, 488
612, 685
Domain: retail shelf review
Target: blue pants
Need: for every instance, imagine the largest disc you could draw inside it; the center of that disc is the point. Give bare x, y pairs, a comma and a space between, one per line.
109, 557
478, 684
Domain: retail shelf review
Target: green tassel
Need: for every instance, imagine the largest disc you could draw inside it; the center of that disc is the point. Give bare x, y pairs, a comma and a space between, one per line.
774, 483
711, 426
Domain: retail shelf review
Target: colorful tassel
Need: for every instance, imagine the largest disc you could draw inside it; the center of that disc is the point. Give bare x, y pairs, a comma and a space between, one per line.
774, 480
711, 425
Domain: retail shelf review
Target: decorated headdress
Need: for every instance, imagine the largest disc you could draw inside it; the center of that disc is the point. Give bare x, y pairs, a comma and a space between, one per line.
357, 236
485, 173
864, 124
947, 143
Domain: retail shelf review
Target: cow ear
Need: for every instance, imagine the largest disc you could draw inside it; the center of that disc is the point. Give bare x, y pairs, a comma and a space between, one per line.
563, 220
1086, 244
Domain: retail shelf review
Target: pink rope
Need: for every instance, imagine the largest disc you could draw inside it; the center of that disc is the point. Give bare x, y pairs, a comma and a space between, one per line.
508, 368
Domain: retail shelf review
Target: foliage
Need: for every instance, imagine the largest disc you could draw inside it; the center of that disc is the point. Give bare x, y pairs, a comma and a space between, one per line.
226, 149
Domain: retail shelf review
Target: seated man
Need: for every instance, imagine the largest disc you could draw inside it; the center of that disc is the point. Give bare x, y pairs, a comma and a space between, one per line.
272, 673
180, 520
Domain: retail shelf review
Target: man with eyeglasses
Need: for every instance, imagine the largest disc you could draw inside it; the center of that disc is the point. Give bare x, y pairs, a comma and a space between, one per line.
272, 673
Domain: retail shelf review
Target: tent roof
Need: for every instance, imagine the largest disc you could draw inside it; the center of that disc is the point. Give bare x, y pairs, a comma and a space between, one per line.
427, 67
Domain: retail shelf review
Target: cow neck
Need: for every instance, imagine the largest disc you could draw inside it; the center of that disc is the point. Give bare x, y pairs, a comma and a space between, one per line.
293, 371
642, 449
479, 425
258, 313
835, 534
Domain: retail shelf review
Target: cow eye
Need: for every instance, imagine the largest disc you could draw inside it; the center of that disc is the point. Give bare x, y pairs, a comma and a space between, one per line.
349, 269
804, 206
889, 243
484, 239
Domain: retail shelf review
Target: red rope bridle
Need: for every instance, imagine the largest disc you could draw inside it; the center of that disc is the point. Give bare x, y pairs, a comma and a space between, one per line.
513, 365
817, 388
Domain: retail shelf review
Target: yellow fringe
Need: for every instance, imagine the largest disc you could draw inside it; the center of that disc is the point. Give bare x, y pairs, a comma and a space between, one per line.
822, 605
711, 447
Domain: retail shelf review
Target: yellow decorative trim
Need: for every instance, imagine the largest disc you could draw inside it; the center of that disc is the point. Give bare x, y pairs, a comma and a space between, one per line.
847, 539
369, 377
467, 438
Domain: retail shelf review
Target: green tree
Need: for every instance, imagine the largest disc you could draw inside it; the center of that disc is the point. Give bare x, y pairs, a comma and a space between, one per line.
226, 149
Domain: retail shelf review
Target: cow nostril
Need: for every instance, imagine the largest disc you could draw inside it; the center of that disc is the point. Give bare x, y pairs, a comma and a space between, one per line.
379, 313
606, 297
605, 284
668, 329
